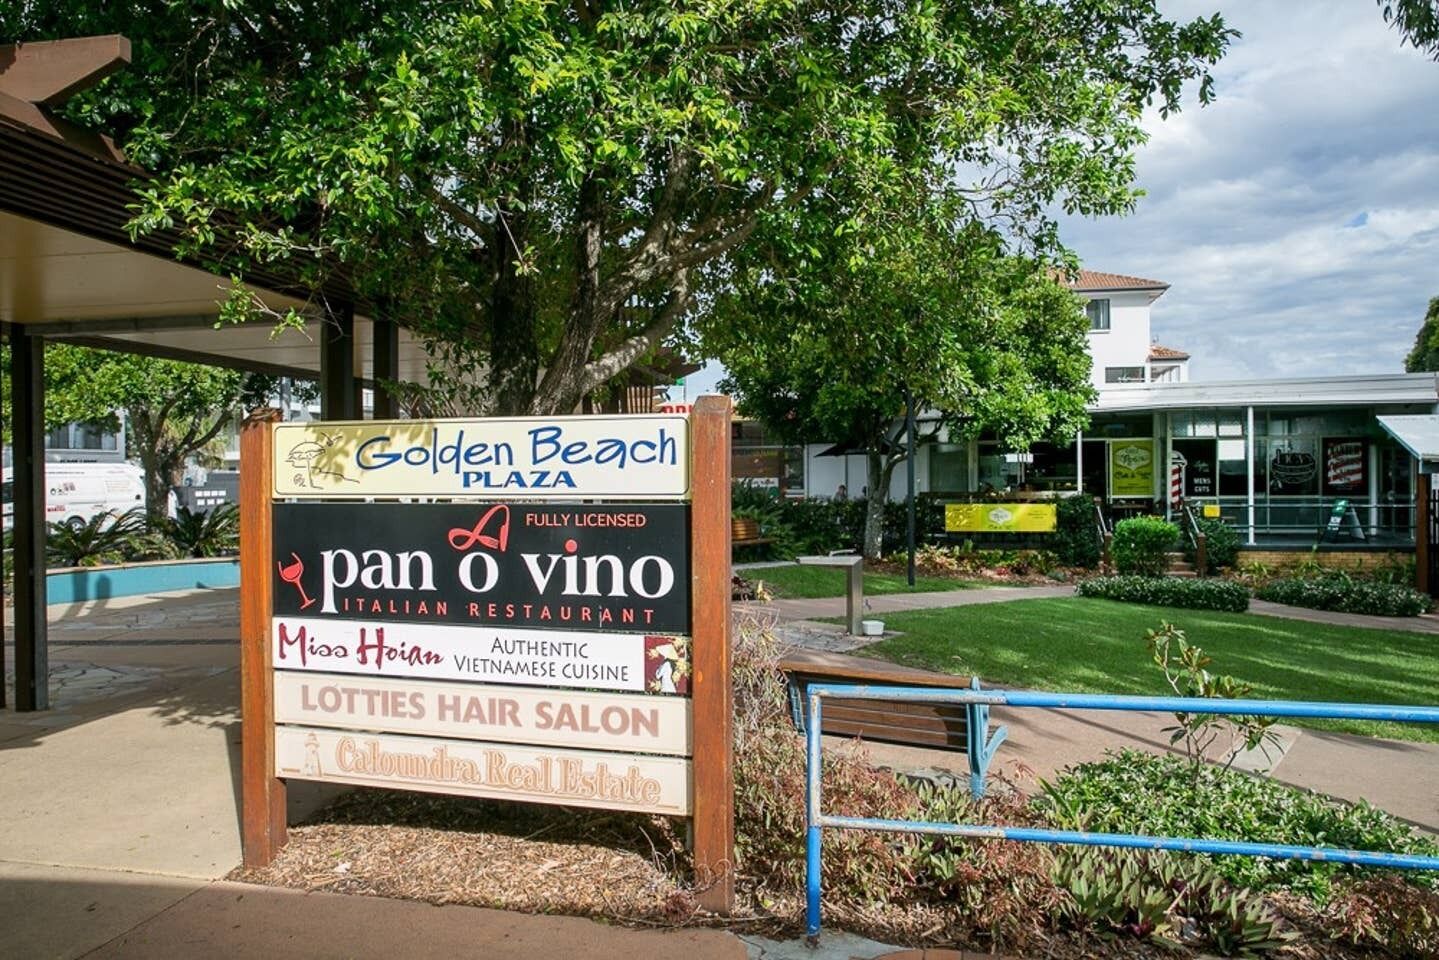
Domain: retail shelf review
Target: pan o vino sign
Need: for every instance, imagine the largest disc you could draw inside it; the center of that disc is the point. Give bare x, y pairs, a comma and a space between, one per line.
568, 649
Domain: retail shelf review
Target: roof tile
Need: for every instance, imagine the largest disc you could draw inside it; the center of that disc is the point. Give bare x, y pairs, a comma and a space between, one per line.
1096, 280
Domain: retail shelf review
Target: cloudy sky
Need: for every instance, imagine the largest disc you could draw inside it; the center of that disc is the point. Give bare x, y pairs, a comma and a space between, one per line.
1297, 216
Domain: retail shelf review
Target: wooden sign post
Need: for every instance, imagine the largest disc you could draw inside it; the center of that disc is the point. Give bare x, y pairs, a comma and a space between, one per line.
558, 631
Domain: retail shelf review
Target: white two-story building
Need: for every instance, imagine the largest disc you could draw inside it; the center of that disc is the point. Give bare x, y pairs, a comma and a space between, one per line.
1120, 340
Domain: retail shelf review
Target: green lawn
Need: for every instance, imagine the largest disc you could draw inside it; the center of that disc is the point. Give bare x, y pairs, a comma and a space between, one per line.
797, 582
1097, 646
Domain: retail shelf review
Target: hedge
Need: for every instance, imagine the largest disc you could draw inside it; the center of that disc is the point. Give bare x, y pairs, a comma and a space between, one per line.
1076, 535
1190, 592
1141, 545
1346, 594
1221, 544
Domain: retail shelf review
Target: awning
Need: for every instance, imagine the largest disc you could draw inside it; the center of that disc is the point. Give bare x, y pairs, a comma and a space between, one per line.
1418, 433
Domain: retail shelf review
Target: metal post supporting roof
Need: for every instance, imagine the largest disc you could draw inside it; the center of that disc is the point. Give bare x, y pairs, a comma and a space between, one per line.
27, 406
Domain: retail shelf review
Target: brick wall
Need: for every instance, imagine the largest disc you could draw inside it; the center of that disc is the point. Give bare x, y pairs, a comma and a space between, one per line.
1337, 559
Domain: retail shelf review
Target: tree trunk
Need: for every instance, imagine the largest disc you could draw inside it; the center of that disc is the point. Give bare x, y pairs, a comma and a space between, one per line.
514, 350
562, 387
161, 464
875, 497
880, 473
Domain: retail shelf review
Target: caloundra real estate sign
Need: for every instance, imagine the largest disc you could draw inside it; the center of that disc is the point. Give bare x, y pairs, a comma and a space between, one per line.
527, 632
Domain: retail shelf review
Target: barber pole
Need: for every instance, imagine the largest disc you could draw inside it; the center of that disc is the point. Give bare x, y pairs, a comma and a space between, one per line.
1177, 463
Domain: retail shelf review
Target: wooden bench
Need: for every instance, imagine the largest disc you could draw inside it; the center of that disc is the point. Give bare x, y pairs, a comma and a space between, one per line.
962, 728
744, 532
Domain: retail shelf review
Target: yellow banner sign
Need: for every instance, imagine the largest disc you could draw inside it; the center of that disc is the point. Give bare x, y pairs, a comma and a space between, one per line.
620, 457
1131, 468
1000, 517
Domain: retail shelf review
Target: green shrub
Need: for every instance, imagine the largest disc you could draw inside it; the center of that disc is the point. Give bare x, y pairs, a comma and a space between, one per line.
1135, 792
1141, 544
1175, 899
104, 538
205, 533
1221, 544
1341, 592
1076, 536
1387, 912
1192, 593
816, 525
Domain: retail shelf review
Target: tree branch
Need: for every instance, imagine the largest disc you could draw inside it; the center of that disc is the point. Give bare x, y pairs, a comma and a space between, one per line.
466, 218
611, 364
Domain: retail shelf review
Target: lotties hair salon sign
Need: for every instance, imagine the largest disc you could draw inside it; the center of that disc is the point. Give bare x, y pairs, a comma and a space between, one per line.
566, 567
627, 457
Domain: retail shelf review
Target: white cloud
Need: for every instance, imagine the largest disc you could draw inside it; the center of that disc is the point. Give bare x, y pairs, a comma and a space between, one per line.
1296, 218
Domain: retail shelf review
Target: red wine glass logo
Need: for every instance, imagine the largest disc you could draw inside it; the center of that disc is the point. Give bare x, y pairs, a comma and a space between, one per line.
291, 574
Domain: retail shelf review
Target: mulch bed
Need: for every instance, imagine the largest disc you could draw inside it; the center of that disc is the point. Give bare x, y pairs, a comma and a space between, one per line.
621, 868
510, 856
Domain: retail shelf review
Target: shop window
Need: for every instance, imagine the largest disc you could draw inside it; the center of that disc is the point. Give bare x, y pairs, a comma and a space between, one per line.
1291, 466
1346, 467
1052, 468
1233, 468
949, 468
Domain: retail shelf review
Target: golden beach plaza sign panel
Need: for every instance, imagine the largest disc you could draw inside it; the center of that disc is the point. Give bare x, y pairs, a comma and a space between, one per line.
534, 651
635, 457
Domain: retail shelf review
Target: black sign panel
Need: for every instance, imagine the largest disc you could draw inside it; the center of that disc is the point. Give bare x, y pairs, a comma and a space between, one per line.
622, 568
1198, 457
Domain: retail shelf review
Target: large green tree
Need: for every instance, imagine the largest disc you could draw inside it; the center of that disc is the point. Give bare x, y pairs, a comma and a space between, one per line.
561, 186
1425, 354
173, 410
831, 337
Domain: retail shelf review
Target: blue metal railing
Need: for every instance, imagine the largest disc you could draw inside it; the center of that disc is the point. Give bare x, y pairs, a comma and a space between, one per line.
816, 819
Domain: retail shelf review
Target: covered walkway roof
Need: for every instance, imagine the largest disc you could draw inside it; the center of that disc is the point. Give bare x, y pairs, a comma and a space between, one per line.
1417, 433
69, 269
1362, 390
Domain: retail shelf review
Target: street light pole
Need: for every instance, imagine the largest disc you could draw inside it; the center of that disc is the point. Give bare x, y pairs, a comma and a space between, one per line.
909, 471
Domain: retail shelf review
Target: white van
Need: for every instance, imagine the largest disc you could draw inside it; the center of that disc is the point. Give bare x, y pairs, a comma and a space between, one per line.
75, 492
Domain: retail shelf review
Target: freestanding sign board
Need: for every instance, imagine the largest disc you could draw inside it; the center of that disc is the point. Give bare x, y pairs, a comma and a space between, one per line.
560, 650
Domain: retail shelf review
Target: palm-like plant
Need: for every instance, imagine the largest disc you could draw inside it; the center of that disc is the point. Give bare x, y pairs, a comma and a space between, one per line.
206, 533
104, 538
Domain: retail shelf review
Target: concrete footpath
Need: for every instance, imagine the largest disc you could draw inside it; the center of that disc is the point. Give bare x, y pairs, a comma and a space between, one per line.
120, 813
119, 817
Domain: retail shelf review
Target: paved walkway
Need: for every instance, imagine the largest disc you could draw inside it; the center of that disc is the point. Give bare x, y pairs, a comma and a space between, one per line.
819, 608
121, 815
1428, 623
